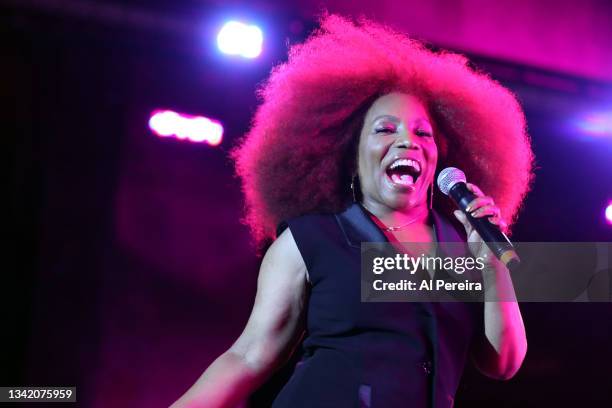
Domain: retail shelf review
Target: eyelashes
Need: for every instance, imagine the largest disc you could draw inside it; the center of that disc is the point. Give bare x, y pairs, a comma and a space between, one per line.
388, 130
421, 132
385, 130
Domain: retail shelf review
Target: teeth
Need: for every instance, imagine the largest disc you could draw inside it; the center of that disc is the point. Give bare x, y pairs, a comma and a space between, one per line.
406, 162
404, 179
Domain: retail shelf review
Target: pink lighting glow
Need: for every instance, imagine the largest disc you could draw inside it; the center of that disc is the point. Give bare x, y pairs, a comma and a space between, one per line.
597, 124
166, 123
609, 213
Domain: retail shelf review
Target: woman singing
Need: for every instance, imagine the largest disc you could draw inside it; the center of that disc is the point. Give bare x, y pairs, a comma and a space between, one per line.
344, 149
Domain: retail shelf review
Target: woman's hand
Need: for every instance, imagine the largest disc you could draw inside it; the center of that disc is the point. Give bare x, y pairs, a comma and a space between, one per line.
481, 206
500, 350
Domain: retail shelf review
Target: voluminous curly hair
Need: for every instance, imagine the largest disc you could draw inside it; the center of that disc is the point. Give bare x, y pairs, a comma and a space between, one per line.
299, 155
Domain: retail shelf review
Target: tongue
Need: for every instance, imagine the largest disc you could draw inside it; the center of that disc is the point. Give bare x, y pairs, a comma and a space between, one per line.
404, 179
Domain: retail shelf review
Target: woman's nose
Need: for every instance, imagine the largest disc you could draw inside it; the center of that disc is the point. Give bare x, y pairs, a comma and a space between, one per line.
406, 141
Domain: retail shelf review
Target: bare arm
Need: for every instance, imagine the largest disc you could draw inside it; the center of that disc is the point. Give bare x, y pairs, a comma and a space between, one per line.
272, 331
501, 349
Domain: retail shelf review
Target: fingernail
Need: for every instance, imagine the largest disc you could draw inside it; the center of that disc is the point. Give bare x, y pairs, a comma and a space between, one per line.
468, 208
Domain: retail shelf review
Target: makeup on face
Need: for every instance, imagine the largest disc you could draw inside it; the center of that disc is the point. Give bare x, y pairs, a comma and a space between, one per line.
397, 151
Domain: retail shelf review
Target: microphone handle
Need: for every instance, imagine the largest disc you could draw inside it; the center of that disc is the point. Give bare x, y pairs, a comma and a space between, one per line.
496, 240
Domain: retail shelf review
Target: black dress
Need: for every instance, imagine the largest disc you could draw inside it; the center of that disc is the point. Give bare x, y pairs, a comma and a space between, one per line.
379, 355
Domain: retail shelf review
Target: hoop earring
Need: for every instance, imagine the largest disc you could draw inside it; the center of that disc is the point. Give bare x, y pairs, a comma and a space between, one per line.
431, 192
353, 187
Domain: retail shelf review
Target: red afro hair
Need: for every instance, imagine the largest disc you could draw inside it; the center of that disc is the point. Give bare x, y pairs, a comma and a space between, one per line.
299, 154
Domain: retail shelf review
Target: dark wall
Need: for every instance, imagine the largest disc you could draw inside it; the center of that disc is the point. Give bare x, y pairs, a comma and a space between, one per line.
130, 271
131, 268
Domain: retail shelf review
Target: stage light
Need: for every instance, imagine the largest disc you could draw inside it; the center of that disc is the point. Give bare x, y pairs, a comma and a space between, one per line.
236, 38
597, 124
166, 123
609, 213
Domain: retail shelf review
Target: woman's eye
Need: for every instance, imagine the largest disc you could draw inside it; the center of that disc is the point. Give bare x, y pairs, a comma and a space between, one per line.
422, 132
385, 130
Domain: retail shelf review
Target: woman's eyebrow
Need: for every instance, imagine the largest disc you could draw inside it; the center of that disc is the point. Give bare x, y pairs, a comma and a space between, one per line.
423, 121
419, 121
389, 117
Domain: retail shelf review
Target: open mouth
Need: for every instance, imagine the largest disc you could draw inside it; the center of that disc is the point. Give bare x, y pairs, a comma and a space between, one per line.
404, 172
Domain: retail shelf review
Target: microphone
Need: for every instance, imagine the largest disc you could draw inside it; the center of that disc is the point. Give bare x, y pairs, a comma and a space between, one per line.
451, 182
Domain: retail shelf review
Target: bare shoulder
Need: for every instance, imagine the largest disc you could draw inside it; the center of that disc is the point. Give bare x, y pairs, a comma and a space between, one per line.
283, 258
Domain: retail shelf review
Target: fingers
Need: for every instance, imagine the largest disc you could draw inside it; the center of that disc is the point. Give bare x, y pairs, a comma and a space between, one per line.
461, 217
486, 211
503, 225
482, 206
479, 202
494, 214
463, 220
474, 189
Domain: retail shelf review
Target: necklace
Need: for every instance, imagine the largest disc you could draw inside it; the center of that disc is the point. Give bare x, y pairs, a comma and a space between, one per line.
399, 227
392, 228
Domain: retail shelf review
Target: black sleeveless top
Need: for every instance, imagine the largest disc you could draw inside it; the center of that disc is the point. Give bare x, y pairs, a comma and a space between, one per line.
378, 355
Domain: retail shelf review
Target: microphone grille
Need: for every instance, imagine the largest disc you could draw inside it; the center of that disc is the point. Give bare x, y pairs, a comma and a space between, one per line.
448, 178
